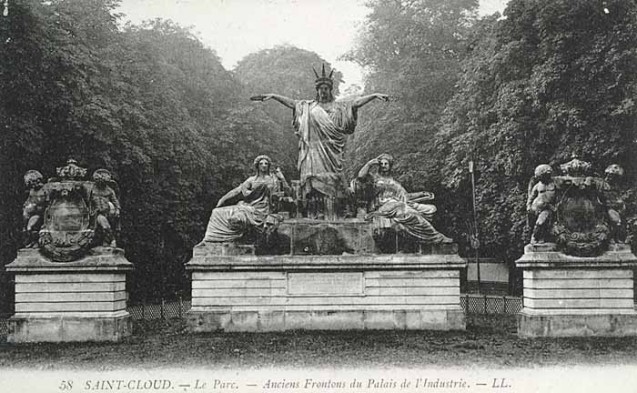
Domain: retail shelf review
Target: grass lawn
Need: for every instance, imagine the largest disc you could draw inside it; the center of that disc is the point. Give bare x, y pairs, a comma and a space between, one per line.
489, 341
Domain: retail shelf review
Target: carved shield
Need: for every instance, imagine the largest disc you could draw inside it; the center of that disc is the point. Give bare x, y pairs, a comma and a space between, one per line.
580, 228
66, 234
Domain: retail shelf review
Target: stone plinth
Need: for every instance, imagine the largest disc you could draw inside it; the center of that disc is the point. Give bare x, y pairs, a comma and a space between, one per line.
325, 292
84, 300
567, 296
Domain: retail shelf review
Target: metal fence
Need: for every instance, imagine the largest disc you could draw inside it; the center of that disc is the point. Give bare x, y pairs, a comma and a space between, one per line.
471, 304
4, 325
161, 310
486, 304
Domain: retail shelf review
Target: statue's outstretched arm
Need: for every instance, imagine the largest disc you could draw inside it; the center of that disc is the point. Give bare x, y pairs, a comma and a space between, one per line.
290, 103
360, 101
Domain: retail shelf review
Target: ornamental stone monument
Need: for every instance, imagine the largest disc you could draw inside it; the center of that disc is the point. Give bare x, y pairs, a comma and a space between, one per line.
577, 268
280, 256
70, 278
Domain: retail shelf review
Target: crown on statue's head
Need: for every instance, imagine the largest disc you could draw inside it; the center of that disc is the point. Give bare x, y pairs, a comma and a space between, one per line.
323, 79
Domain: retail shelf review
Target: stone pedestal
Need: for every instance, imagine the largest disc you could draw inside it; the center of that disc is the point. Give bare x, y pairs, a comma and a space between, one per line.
567, 296
84, 300
325, 292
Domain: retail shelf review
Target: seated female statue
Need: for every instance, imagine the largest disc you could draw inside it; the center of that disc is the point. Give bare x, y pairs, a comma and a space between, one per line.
255, 210
392, 207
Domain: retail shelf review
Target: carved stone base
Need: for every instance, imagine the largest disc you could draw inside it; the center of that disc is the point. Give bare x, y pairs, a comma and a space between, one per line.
83, 300
269, 293
568, 296
24, 328
266, 321
577, 325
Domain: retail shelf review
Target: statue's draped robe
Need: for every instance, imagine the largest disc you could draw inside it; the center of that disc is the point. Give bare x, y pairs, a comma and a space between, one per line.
391, 207
322, 138
228, 223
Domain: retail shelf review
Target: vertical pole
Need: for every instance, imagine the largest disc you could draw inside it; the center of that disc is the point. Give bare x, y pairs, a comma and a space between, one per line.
396, 241
161, 310
504, 307
181, 306
476, 242
486, 311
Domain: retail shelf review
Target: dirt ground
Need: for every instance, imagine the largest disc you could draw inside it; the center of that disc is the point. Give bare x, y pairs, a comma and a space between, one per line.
489, 341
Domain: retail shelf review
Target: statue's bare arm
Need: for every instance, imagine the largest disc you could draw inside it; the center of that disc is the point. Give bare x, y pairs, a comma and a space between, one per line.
284, 183
533, 193
230, 194
364, 171
360, 101
290, 103
113, 198
421, 195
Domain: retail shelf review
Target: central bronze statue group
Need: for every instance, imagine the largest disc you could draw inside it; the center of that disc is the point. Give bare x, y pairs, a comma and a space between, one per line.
322, 126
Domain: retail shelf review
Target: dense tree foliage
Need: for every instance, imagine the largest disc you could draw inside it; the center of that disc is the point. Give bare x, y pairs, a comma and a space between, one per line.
551, 79
412, 50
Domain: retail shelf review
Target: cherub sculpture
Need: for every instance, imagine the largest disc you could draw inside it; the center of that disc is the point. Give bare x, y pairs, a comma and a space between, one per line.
104, 206
614, 202
540, 205
34, 206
